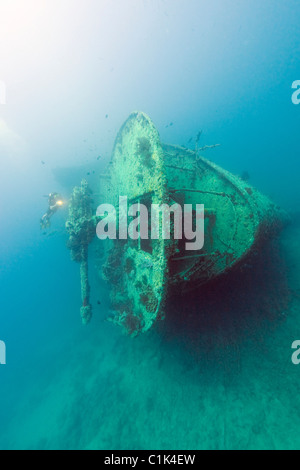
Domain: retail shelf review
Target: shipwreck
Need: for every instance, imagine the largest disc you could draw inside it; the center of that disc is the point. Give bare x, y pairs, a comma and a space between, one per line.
142, 273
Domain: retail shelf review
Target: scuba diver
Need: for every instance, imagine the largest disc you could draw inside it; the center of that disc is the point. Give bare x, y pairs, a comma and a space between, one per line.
55, 202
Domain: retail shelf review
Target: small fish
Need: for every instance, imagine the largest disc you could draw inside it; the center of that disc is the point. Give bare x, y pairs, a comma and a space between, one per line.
190, 140
99, 303
43, 163
99, 158
171, 124
198, 136
106, 116
88, 174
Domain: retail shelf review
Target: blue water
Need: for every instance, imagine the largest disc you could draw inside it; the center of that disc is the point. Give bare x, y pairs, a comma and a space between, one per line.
221, 376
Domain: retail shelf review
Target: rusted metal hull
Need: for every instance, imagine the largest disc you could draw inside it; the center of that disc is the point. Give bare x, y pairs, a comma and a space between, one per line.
237, 216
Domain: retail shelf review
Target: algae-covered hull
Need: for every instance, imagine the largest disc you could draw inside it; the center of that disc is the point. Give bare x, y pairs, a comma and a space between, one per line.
141, 272
237, 216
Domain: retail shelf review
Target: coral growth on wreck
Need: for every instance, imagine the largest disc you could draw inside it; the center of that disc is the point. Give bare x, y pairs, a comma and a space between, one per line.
144, 150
